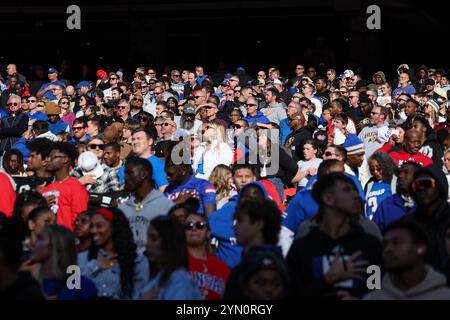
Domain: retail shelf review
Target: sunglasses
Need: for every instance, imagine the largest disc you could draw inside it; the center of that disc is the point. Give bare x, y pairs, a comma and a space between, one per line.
15, 104
250, 105
237, 126
199, 225
197, 97
140, 100
229, 94
423, 183
64, 102
113, 78
94, 146
31, 101
176, 75
121, 107
329, 154
166, 124
77, 128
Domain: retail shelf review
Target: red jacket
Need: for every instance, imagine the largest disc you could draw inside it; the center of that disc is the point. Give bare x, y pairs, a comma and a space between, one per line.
402, 156
8, 195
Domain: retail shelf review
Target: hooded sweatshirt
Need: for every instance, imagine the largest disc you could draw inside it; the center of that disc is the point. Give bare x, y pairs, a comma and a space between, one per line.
221, 223
434, 226
433, 287
259, 117
155, 204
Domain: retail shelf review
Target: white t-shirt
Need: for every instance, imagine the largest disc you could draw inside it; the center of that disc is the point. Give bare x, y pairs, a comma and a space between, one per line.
211, 158
305, 165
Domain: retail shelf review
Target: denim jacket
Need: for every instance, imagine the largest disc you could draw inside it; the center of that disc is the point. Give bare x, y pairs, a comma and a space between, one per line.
108, 280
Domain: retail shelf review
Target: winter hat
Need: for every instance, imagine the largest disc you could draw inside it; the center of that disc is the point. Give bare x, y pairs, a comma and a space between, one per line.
88, 163
263, 260
433, 104
353, 144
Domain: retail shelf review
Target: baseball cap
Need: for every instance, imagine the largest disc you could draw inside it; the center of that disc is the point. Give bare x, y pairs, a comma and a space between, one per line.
84, 84
225, 83
189, 109
228, 76
348, 73
429, 81
52, 70
101, 74
89, 164
52, 108
384, 134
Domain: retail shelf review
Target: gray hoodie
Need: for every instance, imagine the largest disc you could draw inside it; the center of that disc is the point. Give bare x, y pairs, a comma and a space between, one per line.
433, 287
155, 204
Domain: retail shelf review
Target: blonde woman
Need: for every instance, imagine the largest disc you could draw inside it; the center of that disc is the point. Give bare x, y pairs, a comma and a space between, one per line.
212, 151
222, 178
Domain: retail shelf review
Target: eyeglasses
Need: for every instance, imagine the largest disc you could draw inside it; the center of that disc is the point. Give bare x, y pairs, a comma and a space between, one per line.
77, 128
144, 87
425, 183
94, 146
166, 124
64, 102
121, 107
199, 225
329, 154
136, 99
250, 105
15, 104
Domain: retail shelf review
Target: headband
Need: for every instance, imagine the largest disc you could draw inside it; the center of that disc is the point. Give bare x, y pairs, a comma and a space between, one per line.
106, 213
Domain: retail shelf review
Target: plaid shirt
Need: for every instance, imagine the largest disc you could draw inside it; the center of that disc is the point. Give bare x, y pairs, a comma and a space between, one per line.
108, 182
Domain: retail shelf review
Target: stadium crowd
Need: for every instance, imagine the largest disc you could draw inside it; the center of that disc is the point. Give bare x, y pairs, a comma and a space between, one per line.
185, 186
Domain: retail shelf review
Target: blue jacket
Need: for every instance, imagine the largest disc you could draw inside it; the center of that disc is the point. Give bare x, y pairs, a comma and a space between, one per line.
260, 117
21, 145
221, 223
181, 286
37, 116
58, 127
107, 280
285, 130
390, 210
303, 206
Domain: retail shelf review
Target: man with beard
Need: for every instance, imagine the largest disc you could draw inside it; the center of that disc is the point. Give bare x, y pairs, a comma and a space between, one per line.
186, 123
136, 105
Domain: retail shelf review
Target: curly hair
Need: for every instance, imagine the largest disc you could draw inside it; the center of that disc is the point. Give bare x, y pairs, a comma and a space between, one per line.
219, 177
125, 248
386, 163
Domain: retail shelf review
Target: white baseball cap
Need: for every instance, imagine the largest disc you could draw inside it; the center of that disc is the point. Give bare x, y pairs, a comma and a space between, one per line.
348, 73
89, 164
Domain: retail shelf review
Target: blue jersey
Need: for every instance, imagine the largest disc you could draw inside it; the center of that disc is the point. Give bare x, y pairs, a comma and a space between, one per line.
204, 188
159, 175
377, 192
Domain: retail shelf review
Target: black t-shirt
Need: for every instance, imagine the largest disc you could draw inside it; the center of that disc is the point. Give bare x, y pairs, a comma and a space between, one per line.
295, 141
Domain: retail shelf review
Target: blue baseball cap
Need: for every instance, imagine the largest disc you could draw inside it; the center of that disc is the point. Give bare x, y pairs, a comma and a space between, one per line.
228, 75
52, 70
84, 84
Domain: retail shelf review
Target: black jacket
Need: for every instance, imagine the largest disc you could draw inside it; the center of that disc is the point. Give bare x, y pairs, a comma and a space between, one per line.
308, 261
295, 141
11, 130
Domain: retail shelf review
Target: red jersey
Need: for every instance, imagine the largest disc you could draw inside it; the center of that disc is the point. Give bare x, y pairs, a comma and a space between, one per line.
210, 275
402, 156
71, 199
8, 195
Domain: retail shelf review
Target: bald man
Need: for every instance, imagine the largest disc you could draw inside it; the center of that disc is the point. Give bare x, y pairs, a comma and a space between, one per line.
410, 150
12, 69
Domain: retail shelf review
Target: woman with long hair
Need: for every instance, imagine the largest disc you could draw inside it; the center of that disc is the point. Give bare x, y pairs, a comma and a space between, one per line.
222, 178
83, 105
112, 261
382, 184
66, 115
213, 150
55, 253
172, 105
202, 264
168, 256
